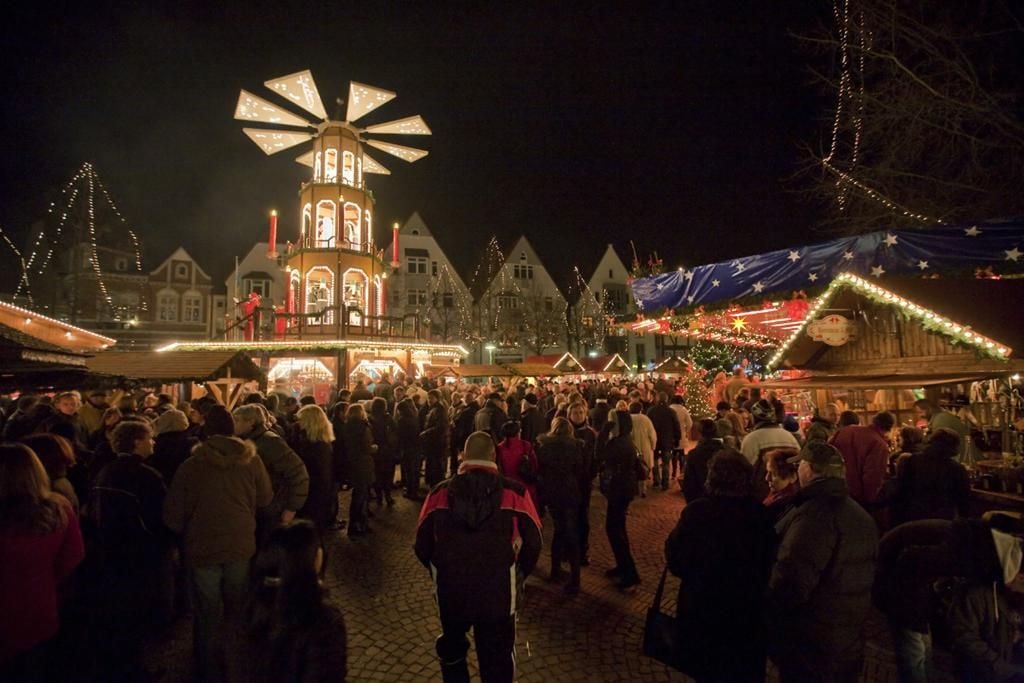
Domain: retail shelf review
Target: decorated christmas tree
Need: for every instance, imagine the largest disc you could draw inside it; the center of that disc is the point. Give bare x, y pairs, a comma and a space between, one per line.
698, 400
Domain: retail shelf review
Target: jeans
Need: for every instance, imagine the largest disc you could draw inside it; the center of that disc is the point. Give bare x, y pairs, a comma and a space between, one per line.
677, 463
565, 546
583, 521
357, 508
495, 650
662, 459
219, 592
913, 655
618, 537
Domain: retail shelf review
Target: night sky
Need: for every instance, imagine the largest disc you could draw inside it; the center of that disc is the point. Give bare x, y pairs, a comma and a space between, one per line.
674, 125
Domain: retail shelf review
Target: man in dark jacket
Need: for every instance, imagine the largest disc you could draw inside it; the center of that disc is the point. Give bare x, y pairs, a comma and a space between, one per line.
666, 426
695, 472
288, 475
462, 427
386, 391
434, 437
820, 589
532, 420
126, 505
479, 534
360, 392
491, 418
588, 470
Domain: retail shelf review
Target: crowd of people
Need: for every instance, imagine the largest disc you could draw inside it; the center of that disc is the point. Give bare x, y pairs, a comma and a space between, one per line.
118, 516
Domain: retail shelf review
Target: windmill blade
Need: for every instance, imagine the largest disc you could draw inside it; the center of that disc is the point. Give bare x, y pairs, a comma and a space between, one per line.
404, 153
305, 159
253, 108
362, 99
371, 165
300, 89
410, 125
274, 141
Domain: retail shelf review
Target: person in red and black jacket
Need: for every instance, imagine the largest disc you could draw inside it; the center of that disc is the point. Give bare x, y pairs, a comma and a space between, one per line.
479, 534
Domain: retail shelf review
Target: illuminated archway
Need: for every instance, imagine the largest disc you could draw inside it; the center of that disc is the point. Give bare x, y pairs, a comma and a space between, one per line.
356, 293
319, 294
331, 165
307, 220
348, 168
316, 167
326, 222
353, 238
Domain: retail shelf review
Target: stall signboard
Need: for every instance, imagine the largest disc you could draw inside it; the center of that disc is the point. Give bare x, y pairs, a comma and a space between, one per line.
834, 330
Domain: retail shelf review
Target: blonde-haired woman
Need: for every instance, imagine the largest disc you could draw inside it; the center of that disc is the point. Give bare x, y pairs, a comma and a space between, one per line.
359, 448
40, 545
313, 439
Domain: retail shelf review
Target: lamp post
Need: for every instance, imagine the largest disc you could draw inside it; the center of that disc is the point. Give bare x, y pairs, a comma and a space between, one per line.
490, 353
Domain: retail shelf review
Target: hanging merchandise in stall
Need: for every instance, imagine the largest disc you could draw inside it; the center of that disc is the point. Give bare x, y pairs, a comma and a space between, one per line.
997, 247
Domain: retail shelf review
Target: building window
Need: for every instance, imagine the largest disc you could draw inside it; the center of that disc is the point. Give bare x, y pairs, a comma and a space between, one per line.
121, 264
509, 301
448, 300
549, 303
416, 264
192, 307
261, 287
180, 271
433, 268
167, 307
521, 271
417, 297
610, 274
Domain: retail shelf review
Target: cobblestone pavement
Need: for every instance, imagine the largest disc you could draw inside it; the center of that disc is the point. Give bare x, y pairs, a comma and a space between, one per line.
595, 636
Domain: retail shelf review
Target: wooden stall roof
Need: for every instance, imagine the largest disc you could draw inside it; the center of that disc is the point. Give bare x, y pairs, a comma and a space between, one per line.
613, 364
502, 370
988, 306
174, 366
909, 381
565, 362
55, 332
671, 365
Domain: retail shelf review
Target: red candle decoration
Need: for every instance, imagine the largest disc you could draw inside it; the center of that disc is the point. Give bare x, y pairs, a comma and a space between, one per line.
272, 250
394, 246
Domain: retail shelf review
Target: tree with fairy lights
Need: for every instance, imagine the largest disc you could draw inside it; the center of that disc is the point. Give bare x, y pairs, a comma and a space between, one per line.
696, 393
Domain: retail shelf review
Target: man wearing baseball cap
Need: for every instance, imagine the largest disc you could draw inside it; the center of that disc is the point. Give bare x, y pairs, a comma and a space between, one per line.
819, 593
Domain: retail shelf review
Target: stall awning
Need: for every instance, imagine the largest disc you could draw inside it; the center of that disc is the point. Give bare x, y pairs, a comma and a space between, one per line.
872, 381
174, 366
501, 370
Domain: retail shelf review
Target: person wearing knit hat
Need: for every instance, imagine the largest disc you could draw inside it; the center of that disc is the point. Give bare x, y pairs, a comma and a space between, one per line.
173, 443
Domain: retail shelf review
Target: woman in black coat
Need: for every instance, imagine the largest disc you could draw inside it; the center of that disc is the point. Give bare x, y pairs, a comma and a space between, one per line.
313, 438
619, 477
560, 462
385, 437
722, 549
359, 448
409, 446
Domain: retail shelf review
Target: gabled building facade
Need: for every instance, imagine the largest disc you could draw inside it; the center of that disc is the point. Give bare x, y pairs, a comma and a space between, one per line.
522, 311
423, 282
609, 287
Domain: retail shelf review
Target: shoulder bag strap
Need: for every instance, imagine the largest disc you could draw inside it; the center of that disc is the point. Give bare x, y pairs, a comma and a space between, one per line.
659, 593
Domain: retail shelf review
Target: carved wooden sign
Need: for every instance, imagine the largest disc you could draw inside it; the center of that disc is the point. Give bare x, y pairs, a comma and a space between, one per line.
834, 330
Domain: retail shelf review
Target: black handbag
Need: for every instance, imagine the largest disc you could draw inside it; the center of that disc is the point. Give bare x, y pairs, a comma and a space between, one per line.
663, 635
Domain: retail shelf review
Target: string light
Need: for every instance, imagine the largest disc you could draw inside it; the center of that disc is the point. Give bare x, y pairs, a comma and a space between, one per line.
446, 350
961, 334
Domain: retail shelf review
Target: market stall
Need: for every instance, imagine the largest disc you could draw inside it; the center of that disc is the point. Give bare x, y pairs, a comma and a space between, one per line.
868, 347
182, 374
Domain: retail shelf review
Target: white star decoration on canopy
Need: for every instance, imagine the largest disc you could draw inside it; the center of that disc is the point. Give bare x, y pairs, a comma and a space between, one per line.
923, 265
1013, 254
794, 256
878, 271
972, 231
891, 240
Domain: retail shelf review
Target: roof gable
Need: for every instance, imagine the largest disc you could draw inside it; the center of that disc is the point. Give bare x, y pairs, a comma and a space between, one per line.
180, 254
414, 224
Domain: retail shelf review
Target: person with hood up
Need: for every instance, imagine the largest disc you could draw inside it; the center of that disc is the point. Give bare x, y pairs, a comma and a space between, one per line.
824, 424
480, 536
173, 444
695, 472
722, 548
932, 484
985, 620
212, 503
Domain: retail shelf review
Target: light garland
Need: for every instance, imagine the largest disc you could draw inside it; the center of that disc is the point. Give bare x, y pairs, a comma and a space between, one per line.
961, 334
451, 350
31, 317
